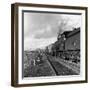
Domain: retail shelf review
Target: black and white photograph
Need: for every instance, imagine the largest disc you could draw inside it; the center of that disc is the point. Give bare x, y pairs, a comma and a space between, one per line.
49, 44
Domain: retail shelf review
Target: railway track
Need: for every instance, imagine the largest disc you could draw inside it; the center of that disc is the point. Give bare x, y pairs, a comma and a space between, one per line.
59, 68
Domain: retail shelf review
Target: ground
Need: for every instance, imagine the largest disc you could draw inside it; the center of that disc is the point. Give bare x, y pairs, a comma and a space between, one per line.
42, 64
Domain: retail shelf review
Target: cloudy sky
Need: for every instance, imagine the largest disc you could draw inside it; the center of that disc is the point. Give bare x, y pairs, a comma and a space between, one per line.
40, 29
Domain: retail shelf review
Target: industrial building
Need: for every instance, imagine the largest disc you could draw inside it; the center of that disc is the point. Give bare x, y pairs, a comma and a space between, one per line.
67, 45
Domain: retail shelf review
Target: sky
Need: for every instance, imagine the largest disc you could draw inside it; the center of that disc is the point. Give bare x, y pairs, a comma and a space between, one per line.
41, 29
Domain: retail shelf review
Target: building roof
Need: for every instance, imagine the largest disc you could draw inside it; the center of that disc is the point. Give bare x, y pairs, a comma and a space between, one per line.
66, 33
76, 30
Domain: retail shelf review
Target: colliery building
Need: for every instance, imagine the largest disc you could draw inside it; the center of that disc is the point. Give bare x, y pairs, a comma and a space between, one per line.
67, 45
